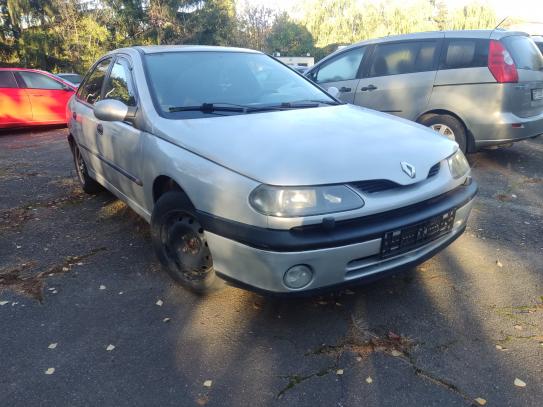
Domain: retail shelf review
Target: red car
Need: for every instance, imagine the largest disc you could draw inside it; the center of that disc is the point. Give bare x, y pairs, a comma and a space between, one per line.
30, 97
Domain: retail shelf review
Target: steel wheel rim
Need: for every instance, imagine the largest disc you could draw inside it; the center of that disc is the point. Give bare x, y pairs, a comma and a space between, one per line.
80, 166
444, 130
185, 247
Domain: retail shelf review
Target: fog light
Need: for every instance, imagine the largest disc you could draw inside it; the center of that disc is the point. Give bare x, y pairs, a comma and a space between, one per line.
298, 276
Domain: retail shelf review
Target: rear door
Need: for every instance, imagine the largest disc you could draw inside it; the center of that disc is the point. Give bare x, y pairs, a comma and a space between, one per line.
48, 97
526, 96
400, 77
15, 108
341, 72
89, 128
120, 142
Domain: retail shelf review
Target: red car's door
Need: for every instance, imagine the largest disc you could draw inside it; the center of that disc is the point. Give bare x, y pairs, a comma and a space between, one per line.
15, 109
48, 97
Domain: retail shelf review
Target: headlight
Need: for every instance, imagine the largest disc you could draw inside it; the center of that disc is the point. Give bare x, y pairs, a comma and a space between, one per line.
304, 201
458, 164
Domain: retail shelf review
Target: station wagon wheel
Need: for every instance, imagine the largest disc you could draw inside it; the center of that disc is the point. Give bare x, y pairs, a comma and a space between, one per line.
89, 185
448, 126
180, 243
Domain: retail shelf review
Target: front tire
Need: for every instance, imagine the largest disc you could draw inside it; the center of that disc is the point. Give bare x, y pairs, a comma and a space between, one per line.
448, 126
89, 185
180, 244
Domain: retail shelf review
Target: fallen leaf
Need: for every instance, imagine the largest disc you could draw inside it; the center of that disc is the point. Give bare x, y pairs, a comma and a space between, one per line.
121, 292
65, 269
513, 196
480, 401
80, 264
338, 304
518, 327
519, 383
393, 336
208, 383
358, 359
396, 353
53, 345
499, 264
339, 372
159, 303
51, 370
166, 320
102, 287
110, 347
54, 292
202, 401
369, 380
3, 302
256, 305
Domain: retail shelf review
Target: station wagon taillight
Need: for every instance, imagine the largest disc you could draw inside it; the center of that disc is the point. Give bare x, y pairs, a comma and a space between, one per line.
501, 64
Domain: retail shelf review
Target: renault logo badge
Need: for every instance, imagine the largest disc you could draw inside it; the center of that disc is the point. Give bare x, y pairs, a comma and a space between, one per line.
408, 169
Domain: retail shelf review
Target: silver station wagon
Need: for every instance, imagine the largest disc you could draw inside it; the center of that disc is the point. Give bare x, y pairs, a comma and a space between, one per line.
250, 173
479, 88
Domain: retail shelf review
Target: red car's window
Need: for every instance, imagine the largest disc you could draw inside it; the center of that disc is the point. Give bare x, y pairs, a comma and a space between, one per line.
35, 80
7, 80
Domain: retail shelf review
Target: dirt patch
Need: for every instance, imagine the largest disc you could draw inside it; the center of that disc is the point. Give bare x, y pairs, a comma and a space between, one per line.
24, 280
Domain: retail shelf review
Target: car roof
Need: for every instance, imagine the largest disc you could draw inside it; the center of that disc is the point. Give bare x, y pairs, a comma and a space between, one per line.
154, 49
495, 34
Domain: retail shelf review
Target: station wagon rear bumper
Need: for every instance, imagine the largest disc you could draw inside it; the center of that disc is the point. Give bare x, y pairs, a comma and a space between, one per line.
507, 128
257, 259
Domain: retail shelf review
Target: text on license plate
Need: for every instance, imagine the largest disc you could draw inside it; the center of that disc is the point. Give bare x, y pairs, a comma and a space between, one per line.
537, 94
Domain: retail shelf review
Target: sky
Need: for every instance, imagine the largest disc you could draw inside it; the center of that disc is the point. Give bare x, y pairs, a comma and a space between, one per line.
529, 10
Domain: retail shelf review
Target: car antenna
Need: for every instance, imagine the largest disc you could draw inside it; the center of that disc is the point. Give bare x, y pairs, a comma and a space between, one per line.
500, 23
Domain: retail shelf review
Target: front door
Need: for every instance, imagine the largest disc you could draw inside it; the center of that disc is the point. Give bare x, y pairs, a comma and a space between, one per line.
48, 97
341, 72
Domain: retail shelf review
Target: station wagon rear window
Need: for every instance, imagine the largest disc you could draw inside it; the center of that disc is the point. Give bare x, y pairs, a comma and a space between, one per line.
465, 53
524, 52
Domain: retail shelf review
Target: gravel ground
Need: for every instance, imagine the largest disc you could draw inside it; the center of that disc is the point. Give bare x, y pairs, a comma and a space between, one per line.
81, 293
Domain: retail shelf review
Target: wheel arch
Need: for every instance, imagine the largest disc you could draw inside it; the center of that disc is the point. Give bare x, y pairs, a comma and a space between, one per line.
165, 183
435, 112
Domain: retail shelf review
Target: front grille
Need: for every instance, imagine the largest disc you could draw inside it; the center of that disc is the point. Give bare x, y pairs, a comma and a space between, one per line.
379, 185
434, 170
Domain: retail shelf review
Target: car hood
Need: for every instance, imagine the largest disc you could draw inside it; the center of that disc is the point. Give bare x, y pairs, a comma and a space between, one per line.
312, 146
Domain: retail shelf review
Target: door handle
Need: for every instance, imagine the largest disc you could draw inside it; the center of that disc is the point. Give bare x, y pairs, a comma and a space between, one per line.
74, 115
100, 129
344, 89
369, 87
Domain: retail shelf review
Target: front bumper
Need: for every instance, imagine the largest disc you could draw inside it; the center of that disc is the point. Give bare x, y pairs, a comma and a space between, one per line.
250, 265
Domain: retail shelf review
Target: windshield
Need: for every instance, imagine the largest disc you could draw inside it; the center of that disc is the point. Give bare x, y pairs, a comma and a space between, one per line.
186, 79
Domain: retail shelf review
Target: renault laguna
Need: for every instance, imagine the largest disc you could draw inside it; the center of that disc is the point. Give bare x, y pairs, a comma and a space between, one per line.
250, 173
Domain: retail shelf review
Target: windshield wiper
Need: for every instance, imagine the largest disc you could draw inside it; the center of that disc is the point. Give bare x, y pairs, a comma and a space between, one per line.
210, 108
319, 101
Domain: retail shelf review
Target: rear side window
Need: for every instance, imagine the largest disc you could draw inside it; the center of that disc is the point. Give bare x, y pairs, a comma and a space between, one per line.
342, 68
465, 53
540, 46
34, 80
119, 84
404, 57
91, 89
7, 80
524, 52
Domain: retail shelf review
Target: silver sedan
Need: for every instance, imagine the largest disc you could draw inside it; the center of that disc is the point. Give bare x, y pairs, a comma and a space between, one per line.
250, 173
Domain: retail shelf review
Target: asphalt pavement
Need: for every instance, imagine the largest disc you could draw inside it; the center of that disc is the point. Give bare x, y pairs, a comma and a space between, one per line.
87, 318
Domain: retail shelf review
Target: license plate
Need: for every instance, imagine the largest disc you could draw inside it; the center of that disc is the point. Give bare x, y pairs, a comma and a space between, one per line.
537, 94
403, 240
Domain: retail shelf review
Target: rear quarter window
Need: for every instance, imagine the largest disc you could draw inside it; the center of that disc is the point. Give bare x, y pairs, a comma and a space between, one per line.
7, 80
524, 52
464, 53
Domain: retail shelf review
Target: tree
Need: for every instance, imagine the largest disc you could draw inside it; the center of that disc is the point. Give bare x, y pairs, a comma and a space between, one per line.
289, 37
254, 24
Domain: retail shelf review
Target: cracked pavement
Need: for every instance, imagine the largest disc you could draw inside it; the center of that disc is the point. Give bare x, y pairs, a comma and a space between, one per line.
78, 271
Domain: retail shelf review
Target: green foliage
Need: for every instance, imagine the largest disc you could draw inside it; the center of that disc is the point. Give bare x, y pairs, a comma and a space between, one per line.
69, 35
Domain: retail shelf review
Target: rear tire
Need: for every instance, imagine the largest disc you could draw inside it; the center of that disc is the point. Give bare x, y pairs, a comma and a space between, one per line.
89, 185
448, 126
180, 244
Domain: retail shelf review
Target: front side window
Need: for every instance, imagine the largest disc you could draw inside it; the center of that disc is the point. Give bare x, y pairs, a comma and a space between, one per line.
465, 53
192, 78
34, 80
343, 68
119, 84
89, 91
7, 80
404, 57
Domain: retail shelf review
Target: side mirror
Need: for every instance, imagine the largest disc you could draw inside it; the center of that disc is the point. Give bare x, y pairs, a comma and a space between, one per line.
110, 110
332, 90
